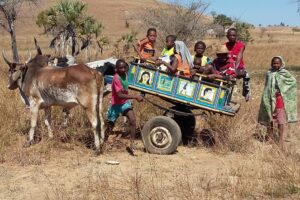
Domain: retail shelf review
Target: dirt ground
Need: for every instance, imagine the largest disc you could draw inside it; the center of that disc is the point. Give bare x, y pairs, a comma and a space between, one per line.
65, 169
190, 173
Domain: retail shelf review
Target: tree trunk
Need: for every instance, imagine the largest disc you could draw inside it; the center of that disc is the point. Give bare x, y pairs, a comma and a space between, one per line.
14, 48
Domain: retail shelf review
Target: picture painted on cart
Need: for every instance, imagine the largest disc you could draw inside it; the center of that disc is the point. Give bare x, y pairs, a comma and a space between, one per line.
207, 94
145, 78
186, 88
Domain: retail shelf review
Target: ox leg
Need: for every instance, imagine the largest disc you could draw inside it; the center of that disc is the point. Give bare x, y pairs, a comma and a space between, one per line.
34, 110
48, 121
101, 118
66, 113
94, 121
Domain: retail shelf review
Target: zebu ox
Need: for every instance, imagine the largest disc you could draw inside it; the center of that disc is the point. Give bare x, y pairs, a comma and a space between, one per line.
45, 86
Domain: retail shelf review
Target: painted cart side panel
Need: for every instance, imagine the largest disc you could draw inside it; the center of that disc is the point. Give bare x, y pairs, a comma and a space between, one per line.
202, 94
178, 88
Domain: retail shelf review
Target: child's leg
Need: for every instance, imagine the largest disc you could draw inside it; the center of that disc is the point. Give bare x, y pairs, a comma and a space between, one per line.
112, 115
281, 120
270, 131
280, 133
109, 127
132, 124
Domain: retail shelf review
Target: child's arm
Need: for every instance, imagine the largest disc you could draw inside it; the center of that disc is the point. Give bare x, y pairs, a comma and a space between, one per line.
172, 68
138, 45
239, 57
121, 95
215, 73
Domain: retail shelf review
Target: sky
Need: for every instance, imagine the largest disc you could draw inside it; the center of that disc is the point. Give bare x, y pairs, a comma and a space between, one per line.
264, 12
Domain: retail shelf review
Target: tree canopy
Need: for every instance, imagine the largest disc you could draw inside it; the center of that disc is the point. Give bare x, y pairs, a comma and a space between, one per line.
68, 22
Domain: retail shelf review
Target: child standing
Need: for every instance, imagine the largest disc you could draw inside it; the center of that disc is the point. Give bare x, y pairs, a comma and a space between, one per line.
145, 47
279, 100
120, 103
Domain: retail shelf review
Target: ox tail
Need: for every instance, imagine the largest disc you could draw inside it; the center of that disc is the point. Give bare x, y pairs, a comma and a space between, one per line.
99, 105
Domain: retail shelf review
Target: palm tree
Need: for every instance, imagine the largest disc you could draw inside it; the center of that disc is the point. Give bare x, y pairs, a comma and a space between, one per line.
69, 24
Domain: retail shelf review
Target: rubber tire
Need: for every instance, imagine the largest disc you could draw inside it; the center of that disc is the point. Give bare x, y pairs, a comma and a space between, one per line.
186, 123
167, 123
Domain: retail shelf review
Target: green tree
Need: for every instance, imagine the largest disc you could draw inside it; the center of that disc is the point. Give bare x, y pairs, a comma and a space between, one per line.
123, 45
223, 20
9, 13
69, 24
243, 31
187, 22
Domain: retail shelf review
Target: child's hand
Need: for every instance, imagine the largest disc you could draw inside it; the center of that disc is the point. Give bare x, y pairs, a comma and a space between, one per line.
158, 62
193, 72
139, 98
211, 76
142, 59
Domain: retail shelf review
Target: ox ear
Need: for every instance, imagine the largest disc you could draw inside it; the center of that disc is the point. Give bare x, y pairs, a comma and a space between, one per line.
38, 49
10, 64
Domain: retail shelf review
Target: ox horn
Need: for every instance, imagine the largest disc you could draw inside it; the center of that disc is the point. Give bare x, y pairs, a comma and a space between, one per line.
38, 49
5, 59
29, 58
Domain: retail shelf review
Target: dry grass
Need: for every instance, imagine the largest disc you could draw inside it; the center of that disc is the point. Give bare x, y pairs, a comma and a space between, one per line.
237, 167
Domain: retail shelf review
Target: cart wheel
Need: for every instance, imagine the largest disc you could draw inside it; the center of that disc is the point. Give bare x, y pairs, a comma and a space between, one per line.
161, 135
186, 123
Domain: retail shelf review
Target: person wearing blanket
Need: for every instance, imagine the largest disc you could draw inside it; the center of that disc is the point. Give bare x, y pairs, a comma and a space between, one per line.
279, 99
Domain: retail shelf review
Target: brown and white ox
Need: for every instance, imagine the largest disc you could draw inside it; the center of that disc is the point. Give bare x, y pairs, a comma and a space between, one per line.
46, 86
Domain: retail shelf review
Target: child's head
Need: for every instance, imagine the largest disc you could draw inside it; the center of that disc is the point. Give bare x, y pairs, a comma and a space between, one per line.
231, 35
222, 53
276, 63
151, 35
170, 41
200, 48
121, 67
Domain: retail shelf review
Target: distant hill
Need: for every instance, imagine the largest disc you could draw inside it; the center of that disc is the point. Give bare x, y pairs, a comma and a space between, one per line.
111, 13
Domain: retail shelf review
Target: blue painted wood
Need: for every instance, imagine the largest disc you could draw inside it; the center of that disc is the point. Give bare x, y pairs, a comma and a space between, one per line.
197, 93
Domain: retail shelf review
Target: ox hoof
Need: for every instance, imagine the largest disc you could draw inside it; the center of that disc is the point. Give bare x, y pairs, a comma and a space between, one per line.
97, 152
28, 144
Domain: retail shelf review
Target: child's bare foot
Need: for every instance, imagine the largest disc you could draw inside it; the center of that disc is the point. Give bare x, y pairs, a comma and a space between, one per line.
131, 150
247, 97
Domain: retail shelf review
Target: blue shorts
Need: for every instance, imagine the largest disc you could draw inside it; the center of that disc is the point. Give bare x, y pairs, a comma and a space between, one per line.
114, 111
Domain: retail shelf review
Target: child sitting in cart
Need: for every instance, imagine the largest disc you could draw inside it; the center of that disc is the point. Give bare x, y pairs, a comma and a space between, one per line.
181, 61
223, 66
146, 47
168, 52
170, 46
202, 63
120, 102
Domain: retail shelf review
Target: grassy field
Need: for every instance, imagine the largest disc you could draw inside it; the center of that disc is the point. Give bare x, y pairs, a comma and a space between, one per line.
238, 167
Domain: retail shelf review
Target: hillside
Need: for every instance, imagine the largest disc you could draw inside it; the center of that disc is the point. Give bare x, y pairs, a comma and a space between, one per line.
239, 165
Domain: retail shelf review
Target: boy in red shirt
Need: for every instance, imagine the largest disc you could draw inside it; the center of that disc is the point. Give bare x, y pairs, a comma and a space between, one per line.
236, 50
120, 103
